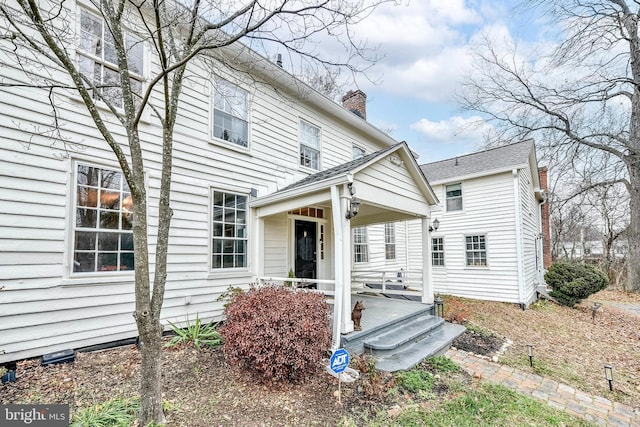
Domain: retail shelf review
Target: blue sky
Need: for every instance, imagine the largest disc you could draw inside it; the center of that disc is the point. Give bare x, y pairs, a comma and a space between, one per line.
426, 45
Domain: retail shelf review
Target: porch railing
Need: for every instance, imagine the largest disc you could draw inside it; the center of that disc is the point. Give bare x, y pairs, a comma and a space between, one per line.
323, 286
402, 282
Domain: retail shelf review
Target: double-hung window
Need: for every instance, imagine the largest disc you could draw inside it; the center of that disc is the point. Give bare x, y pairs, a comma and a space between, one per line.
360, 245
231, 113
103, 235
476, 251
98, 58
437, 251
309, 145
389, 241
229, 240
454, 197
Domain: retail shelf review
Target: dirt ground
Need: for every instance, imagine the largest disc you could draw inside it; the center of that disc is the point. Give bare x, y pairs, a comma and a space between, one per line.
201, 389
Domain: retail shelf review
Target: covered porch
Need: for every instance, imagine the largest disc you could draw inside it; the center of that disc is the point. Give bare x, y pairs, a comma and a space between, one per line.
304, 230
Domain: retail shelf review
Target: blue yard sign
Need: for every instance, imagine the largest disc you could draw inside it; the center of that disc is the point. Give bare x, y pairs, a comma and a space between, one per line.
339, 360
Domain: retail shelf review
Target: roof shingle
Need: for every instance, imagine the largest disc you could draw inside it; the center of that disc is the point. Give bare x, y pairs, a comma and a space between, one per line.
487, 160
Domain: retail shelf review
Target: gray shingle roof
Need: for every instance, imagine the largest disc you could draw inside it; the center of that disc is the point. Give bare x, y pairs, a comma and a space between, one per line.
340, 169
488, 160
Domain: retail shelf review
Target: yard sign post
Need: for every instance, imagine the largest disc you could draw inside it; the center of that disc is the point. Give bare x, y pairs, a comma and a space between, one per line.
338, 363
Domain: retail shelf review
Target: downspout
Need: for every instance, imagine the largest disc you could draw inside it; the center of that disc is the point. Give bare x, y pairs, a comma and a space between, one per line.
519, 249
338, 257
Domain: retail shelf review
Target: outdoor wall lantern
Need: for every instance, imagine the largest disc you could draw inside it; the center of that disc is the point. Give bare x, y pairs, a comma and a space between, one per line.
608, 374
354, 203
435, 225
439, 303
530, 353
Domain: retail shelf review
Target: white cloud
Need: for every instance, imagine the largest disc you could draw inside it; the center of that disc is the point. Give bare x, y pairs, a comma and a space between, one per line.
455, 129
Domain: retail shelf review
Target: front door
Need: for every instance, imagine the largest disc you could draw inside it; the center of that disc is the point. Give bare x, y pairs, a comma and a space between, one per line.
305, 243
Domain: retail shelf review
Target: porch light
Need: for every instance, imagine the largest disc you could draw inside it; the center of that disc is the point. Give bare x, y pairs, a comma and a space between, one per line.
354, 203
608, 374
436, 224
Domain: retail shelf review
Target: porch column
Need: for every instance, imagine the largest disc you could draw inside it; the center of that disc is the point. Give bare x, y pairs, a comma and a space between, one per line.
257, 248
427, 279
347, 323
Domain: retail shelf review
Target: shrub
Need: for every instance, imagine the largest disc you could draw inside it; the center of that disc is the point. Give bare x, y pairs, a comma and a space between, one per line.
277, 333
456, 311
195, 333
415, 380
571, 282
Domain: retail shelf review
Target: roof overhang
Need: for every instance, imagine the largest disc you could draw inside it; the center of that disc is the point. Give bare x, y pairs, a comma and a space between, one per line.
380, 193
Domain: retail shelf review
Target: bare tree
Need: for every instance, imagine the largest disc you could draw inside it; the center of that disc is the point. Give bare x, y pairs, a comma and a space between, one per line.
581, 101
43, 38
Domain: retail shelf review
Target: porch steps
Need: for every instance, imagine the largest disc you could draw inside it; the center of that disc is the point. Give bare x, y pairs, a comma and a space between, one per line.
405, 341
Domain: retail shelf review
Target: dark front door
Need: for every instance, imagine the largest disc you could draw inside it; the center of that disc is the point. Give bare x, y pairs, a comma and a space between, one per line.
305, 236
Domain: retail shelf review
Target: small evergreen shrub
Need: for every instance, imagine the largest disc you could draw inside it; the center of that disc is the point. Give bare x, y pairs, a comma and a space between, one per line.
278, 334
571, 282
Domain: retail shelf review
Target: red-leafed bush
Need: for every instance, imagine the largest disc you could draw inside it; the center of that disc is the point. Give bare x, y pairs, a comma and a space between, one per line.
277, 333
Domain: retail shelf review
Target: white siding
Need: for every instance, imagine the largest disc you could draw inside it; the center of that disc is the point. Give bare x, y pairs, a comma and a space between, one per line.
44, 307
530, 230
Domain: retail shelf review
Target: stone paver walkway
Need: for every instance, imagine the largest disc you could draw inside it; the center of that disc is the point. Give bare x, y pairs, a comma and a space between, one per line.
596, 409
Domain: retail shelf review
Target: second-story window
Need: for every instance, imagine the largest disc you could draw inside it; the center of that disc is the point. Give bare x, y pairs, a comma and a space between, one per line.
454, 197
309, 145
357, 152
230, 113
98, 58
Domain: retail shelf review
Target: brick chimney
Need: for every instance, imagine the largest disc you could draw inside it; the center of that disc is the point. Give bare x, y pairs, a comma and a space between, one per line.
546, 231
356, 102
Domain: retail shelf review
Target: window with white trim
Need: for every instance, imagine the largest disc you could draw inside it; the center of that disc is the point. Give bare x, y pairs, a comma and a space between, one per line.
389, 241
476, 251
309, 145
231, 113
454, 197
360, 245
229, 229
437, 251
357, 152
98, 58
102, 230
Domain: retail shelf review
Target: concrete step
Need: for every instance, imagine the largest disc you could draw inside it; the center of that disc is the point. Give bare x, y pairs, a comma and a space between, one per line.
354, 342
410, 355
399, 335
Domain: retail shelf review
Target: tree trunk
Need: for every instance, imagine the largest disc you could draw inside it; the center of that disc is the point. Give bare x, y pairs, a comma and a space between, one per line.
633, 235
151, 372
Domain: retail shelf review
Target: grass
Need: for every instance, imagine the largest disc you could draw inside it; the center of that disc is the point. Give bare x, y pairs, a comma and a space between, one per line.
487, 405
114, 413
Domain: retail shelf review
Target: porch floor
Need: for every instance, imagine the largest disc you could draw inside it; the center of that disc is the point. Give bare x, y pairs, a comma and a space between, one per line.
382, 310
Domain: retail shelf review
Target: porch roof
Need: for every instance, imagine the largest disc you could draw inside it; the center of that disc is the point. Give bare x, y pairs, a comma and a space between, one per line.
389, 183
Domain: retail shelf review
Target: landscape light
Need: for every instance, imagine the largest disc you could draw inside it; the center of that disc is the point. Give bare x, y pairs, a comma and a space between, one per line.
608, 374
530, 353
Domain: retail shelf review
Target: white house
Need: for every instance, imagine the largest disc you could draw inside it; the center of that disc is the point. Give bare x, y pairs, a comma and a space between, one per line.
258, 189
489, 239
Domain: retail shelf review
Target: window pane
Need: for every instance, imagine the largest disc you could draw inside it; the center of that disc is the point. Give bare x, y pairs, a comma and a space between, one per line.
109, 220
126, 241
126, 261
217, 214
84, 262
85, 240
86, 218
227, 261
217, 261
110, 199
88, 175
135, 52
90, 33
107, 261
108, 241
